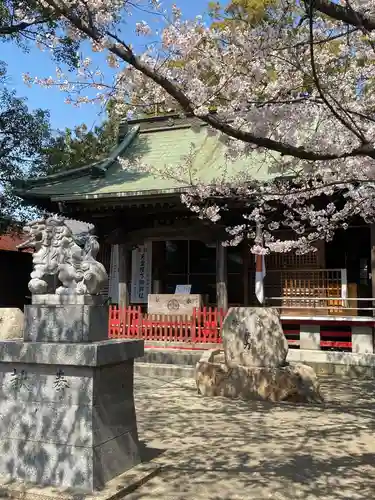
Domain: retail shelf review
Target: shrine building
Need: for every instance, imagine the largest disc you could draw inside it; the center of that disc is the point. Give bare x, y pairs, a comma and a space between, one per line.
151, 242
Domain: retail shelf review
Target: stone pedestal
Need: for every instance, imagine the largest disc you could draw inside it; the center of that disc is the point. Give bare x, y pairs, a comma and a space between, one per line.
294, 383
66, 401
65, 323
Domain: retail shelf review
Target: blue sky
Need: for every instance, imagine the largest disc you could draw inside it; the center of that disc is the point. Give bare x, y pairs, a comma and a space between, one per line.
39, 64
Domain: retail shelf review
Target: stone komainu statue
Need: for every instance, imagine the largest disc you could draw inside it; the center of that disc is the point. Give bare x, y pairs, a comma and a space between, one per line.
59, 252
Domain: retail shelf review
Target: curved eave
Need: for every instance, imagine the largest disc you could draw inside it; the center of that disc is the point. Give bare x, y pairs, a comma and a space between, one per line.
22, 187
61, 204
120, 195
92, 197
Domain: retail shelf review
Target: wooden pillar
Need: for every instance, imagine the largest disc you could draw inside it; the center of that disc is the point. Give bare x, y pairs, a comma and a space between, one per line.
221, 277
246, 272
158, 266
123, 278
372, 232
321, 254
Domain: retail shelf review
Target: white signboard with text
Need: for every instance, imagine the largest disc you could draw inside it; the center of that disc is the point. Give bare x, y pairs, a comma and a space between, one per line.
141, 273
183, 289
174, 304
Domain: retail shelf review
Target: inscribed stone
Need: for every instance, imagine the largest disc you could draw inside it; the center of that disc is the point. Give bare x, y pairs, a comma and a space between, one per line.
11, 323
253, 336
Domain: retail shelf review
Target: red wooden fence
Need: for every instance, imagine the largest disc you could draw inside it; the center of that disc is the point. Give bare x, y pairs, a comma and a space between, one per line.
203, 327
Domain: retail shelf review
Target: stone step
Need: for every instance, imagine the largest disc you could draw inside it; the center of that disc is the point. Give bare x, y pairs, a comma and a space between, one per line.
171, 357
163, 370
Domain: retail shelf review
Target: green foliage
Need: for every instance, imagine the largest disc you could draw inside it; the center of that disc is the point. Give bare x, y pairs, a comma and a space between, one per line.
23, 135
76, 148
250, 11
29, 148
42, 27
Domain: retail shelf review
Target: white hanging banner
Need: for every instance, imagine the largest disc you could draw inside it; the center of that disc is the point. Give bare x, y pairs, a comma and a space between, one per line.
114, 274
260, 272
141, 273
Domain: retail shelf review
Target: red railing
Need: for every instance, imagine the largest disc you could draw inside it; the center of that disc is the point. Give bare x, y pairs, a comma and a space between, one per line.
336, 339
203, 326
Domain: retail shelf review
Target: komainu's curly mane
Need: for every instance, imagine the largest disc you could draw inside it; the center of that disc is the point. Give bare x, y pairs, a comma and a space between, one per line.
70, 257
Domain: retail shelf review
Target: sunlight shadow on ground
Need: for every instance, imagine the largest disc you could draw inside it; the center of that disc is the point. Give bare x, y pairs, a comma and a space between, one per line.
225, 449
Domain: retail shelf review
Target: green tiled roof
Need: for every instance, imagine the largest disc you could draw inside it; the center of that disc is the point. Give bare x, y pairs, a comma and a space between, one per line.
156, 147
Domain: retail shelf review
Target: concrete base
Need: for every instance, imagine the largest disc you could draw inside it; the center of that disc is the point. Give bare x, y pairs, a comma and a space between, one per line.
362, 339
117, 488
67, 412
309, 337
164, 370
158, 361
345, 364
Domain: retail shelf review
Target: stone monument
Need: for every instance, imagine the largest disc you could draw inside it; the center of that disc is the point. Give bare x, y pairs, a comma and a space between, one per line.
11, 323
66, 393
253, 364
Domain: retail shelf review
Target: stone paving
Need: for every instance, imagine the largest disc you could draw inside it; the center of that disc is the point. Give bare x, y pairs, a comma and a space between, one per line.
220, 449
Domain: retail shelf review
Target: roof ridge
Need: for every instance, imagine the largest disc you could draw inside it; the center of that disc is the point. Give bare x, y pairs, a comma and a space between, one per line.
95, 168
167, 128
159, 118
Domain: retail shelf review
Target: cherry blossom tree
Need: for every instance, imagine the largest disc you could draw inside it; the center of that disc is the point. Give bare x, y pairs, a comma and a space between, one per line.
293, 85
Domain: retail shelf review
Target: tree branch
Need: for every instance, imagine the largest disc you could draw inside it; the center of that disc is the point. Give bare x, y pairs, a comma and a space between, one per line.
358, 133
16, 28
344, 14
124, 52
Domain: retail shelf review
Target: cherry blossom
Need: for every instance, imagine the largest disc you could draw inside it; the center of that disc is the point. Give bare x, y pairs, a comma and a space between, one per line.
294, 91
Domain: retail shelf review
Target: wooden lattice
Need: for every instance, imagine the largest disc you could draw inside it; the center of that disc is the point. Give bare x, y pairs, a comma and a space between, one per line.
291, 260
